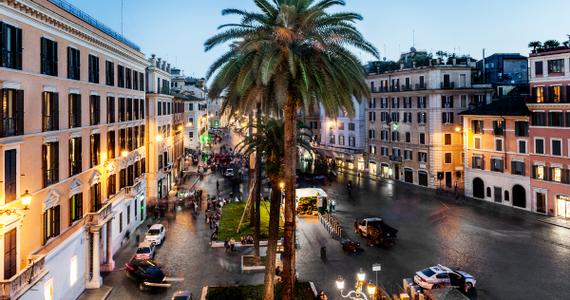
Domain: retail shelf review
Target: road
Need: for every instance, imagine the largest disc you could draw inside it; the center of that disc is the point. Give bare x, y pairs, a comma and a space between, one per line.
512, 255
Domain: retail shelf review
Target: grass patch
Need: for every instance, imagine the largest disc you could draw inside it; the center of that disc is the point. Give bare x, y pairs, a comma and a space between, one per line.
302, 292
231, 215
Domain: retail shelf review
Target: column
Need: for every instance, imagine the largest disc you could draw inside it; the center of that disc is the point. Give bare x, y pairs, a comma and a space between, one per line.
96, 281
110, 263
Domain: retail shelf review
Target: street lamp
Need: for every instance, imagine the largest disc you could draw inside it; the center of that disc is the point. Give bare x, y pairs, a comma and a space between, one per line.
357, 293
25, 199
124, 153
159, 138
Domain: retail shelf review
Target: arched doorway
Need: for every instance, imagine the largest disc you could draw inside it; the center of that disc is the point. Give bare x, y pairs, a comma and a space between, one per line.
519, 196
478, 188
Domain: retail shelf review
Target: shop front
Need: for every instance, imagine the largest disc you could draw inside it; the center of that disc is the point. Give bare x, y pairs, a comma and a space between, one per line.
373, 168
385, 171
563, 205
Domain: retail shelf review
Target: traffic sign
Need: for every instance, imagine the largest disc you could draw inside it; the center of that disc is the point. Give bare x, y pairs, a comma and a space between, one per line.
376, 267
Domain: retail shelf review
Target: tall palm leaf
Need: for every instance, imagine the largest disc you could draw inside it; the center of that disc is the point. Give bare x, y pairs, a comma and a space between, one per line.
291, 55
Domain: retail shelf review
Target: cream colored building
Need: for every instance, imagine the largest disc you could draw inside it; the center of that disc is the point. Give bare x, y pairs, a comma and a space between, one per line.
71, 137
413, 128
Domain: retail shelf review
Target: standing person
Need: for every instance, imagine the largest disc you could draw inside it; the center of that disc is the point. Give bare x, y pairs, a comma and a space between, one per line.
218, 185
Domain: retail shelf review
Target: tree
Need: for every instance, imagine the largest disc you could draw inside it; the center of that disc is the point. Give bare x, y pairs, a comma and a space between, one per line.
291, 54
551, 44
269, 143
535, 45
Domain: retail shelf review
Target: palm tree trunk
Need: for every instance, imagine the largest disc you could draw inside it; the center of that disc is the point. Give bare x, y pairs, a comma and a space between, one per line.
274, 216
257, 190
290, 164
251, 176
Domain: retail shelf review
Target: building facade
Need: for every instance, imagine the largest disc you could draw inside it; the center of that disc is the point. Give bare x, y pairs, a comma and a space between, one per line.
413, 127
550, 131
496, 147
506, 72
341, 139
160, 130
71, 133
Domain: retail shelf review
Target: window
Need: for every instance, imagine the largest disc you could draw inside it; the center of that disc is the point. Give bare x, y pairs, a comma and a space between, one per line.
10, 176
538, 68
498, 145
422, 118
522, 146
538, 118
463, 101
517, 168
73, 64
384, 103
74, 110
352, 141
422, 84
448, 159
51, 223
395, 102
539, 172
10, 48
555, 66
48, 57
351, 126
372, 149
422, 138
11, 112
10, 253
447, 101
128, 79
395, 117
556, 147
50, 163
539, 94
341, 140
136, 111
496, 165
129, 139
111, 185
422, 103
128, 214
135, 80
568, 116
141, 108
122, 114
95, 155
130, 175
447, 117
50, 111
94, 110
129, 109
75, 208
447, 138
111, 144
93, 69
371, 117
110, 110
422, 157
521, 128
556, 174
141, 82
407, 117
477, 142
408, 137
109, 73
408, 155
498, 127
331, 141
371, 134
159, 108
539, 146
477, 163
395, 136
555, 119
123, 174
120, 76
121, 222
95, 194
477, 126
554, 93
75, 164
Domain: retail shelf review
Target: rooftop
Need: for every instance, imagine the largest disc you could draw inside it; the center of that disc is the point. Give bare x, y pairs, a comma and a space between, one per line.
93, 22
508, 106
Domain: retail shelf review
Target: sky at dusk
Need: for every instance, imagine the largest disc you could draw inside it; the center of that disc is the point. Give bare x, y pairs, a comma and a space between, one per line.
176, 29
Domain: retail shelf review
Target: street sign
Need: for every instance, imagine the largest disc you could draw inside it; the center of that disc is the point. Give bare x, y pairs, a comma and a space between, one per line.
376, 267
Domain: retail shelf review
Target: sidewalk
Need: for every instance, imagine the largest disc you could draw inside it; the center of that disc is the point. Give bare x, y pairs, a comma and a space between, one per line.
99, 294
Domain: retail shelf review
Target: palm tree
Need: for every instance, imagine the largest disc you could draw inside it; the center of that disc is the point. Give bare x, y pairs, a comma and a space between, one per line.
535, 45
268, 141
551, 44
291, 54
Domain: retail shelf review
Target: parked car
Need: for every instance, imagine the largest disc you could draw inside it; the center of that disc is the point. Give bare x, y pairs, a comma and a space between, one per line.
230, 172
156, 234
146, 273
441, 276
145, 250
182, 295
376, 231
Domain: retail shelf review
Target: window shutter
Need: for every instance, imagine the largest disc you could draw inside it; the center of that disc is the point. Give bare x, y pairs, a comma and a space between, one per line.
56, 217
43, 58
55, 163
54, 58
44, 164
534, 93
2, 114
2, 43
19, 111
70, 63
55, 112
18, 49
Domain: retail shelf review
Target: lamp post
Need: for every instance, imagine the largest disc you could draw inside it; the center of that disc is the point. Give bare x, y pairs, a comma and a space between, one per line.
358, 293
25, 199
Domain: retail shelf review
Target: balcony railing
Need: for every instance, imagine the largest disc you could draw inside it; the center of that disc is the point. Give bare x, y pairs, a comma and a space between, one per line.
11, 127
18, 284
50, 123
421, 86
99, 218
396, 158
407, 87
51, 176
447, 85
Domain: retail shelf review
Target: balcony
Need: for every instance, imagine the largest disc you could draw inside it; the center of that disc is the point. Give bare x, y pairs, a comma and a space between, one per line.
11, 127
407, 87
101, 216
421, 86
396, 158
447, 85
16, 286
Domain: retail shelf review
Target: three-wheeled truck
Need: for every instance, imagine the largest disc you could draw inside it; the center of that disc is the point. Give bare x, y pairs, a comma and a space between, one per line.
376, 231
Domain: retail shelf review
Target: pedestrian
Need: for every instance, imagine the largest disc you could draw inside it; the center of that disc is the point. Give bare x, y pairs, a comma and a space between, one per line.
232, 245
227, 245
322, 296
218, 185
324, 254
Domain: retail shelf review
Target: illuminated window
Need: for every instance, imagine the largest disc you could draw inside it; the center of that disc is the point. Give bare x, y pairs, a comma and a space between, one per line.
540, 94
556, 174
539, 172
555, 93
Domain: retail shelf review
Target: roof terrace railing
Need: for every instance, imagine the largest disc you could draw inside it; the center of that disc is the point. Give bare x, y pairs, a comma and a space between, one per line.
93, 22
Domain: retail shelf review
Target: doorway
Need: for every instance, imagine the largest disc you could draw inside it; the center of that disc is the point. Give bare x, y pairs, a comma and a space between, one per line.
519, 196
540, 202
478, 188
397, 172
408, 175
498, 194
448, 179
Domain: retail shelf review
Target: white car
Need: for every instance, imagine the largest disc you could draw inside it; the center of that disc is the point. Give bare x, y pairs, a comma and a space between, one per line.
441, 276
145, 250
156, 234
230, 172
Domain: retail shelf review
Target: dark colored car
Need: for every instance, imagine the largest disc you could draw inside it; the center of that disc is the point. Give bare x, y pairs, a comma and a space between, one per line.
146, 273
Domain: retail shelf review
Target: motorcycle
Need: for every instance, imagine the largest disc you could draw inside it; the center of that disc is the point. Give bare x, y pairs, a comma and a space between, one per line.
350, 246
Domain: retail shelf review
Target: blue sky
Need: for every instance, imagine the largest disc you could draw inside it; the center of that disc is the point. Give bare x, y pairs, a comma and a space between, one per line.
176, 29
